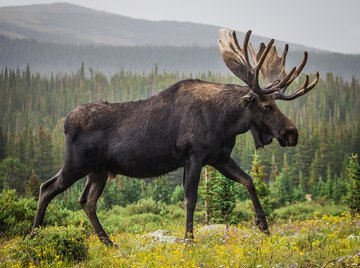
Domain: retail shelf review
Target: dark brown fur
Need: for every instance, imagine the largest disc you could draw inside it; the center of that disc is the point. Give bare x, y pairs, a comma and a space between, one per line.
191, 124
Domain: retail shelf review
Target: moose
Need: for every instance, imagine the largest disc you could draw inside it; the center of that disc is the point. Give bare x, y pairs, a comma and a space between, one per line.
191, 124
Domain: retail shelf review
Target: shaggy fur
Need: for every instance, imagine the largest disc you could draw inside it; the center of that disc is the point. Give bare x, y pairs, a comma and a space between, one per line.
191, 124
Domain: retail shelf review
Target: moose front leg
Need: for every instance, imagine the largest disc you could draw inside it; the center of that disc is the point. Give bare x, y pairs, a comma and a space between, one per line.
232, 171
191, 180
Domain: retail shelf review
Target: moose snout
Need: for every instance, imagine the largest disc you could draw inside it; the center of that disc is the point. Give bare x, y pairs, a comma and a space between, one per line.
289, 136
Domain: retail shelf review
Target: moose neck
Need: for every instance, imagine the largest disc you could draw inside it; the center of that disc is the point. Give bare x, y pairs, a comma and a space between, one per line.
221, 107
234, 113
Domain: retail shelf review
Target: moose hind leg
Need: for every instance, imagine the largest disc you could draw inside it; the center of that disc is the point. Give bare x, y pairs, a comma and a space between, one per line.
93, 189
48, 190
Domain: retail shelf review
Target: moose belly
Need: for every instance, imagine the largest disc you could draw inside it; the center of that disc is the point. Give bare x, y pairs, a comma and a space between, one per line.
143, 163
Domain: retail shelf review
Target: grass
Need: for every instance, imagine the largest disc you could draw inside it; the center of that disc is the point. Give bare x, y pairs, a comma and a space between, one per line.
329, 241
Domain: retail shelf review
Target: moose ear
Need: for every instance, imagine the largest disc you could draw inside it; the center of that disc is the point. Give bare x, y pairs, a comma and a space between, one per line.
248, 97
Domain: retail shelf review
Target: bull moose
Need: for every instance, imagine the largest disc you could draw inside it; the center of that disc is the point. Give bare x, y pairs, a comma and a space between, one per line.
191, 124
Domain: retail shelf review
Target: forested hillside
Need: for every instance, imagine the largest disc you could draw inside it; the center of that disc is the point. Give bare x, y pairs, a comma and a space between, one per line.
48, 58
34, 107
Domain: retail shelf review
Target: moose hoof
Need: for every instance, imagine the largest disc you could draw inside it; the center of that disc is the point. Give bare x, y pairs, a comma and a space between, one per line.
261, 222
107, 242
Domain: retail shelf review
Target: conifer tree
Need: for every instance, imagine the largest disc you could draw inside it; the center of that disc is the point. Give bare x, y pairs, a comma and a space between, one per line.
353, 169
339, 189
262, 188
281, 189
121, 191
32, 186
43, 160
274, 170
219, 194
178, 194
315, 170
2, 145
162, 190
12, 174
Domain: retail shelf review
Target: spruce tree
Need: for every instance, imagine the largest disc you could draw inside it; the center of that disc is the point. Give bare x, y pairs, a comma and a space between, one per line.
262, 189
219, 195
274, 170
43, 157
353, 170
162, 190
281, 189
32, 186
2, 145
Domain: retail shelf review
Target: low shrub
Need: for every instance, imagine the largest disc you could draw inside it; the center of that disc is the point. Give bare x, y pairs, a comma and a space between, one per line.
53, 244
307, 210
138, 223
243, 211
16, 214
178, 194
143, 222
298, 211
176, 212
147, 205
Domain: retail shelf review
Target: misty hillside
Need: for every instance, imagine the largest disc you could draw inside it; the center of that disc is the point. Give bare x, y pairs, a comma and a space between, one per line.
71, 24
48, 58
59, 37
67, 23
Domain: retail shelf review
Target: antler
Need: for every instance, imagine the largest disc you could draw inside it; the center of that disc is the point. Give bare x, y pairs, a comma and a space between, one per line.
267, 63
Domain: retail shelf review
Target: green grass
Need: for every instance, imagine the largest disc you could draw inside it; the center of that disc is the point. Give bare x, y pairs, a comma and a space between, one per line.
329, 241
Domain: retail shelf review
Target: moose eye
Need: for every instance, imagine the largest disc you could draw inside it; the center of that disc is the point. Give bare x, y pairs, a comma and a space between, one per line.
268, 108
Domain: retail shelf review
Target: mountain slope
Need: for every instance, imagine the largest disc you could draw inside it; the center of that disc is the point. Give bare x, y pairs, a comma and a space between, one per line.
68, 23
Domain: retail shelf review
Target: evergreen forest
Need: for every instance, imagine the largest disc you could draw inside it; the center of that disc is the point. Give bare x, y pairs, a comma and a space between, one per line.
34, 107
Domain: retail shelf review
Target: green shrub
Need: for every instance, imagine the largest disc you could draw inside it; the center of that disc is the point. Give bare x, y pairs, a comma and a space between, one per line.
53, 244
60, 216
308, 210
137, 223
243, 211
176, 212
143, 222
16, 214
56, 215
178, 194
298, 211
147, 205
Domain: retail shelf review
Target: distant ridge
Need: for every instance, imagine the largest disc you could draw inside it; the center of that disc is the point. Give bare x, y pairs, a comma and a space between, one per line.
66, 23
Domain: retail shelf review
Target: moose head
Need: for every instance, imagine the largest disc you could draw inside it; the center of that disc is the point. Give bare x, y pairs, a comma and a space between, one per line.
268, 121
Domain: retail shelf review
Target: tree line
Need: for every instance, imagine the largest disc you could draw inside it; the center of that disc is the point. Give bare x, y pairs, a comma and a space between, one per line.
34, 107
50, 57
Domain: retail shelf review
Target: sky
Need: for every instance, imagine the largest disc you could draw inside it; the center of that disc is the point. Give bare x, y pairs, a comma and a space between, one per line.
332, 25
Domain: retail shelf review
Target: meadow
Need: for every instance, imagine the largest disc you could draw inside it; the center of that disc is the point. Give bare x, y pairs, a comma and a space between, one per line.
149, 234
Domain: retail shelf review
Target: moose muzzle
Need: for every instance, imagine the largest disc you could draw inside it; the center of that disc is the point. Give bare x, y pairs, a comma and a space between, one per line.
288, 137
